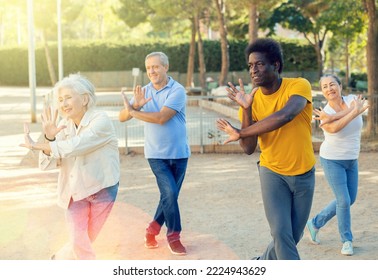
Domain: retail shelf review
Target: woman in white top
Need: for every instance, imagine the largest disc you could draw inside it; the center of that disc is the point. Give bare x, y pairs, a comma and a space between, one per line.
341, 122
85, 148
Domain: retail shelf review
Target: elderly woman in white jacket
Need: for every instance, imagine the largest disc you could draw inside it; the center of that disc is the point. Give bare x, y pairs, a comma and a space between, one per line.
85, 148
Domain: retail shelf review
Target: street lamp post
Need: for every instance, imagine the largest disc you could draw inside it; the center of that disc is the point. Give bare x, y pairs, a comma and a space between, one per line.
60, 49
32, 78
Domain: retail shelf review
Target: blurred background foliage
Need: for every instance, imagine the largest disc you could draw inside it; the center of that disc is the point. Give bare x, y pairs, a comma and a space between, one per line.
111, 35
107, 56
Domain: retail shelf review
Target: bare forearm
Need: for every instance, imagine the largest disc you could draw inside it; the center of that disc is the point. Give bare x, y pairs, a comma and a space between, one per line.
340, 114
276, 120
124, 114
151, 117
339, 124
268, 124
248, 144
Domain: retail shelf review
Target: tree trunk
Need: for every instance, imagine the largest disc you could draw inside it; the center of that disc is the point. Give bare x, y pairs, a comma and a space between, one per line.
372, 62
318, 46
253, 25
347, 62
319, 57
192, 50
201, 57
50, 65
224, 43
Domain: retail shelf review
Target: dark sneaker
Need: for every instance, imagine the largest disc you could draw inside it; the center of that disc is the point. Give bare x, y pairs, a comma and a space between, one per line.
177, 248
150, 241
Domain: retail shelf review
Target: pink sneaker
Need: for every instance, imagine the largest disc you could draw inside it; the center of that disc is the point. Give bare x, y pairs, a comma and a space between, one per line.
177, 248
150, 241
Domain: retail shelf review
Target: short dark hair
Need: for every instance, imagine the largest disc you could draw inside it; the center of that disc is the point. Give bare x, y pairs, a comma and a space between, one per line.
270, 47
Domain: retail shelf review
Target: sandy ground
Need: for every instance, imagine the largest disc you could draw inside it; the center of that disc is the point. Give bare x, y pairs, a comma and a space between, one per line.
221, 207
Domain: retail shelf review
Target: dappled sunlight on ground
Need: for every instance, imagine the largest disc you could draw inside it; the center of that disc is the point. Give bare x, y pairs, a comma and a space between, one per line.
220, 202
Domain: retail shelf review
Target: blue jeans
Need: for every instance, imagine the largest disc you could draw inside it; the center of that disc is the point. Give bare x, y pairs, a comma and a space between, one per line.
342, 176
85, 220
169, 175
287, 203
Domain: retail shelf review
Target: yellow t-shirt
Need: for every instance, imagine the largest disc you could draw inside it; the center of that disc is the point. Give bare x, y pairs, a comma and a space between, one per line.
287, 150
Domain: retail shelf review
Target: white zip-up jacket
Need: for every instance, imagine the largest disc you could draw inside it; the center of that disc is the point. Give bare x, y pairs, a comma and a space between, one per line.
88, 157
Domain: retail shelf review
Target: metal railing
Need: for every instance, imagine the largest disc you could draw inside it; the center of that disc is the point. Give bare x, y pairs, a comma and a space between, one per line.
203, 135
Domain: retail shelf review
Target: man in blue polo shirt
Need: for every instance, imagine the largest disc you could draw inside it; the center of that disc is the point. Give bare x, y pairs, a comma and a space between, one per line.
161, 104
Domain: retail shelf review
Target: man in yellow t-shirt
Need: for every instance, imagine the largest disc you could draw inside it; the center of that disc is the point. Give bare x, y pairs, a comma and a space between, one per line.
277, 115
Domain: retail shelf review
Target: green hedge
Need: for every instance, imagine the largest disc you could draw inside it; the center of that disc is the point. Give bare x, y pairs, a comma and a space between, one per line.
117, 57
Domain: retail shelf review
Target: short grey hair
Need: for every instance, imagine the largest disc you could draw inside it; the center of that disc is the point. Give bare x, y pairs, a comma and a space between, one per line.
163, 57
79, 84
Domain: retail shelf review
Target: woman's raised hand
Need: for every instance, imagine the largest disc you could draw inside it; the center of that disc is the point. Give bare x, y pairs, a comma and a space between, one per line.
49, 118
29, 142
360, 104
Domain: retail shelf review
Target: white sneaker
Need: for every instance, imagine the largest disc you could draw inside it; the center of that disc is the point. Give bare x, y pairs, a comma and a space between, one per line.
347, 249
313, 232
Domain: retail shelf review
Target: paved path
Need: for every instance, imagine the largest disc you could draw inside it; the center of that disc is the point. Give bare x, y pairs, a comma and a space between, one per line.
221, 204
32, 226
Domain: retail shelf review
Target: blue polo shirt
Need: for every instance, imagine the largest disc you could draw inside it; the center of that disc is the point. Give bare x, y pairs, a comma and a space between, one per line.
167, 141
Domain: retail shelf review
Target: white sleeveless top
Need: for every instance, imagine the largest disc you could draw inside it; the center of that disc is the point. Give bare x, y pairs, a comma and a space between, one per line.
344, 144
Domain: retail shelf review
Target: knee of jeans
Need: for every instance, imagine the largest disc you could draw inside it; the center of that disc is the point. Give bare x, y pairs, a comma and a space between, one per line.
169, 199
170, 194
276, 232
353, 199
344, 203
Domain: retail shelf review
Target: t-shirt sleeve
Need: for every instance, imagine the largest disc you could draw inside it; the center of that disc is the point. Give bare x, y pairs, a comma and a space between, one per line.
301, 87
176, 99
